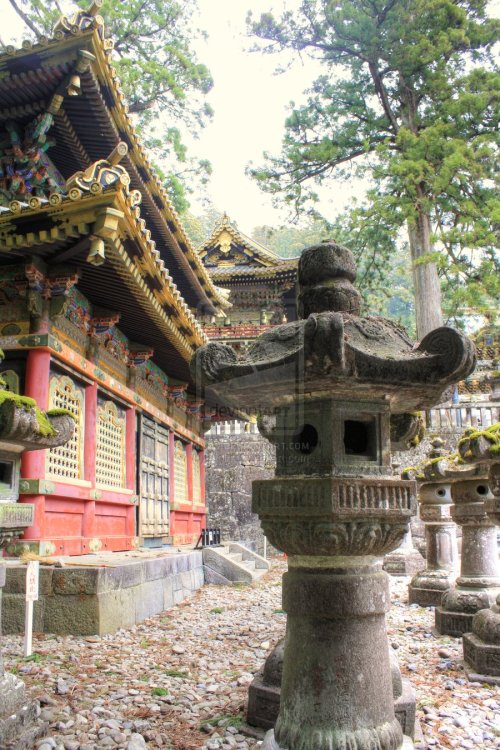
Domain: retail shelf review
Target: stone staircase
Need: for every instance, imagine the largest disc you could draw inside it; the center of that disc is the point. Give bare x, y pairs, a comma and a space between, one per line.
232, 563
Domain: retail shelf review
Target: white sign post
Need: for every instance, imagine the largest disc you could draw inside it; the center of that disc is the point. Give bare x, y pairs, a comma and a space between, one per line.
32, 576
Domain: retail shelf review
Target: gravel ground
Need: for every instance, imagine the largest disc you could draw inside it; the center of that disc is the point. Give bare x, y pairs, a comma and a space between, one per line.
179, 680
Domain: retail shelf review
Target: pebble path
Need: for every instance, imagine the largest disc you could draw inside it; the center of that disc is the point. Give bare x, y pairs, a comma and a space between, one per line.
179, 680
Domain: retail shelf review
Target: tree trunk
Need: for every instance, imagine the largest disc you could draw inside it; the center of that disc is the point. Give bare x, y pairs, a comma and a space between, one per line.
425, 277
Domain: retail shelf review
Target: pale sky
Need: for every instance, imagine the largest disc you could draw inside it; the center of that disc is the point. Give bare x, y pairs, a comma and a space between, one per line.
250, 105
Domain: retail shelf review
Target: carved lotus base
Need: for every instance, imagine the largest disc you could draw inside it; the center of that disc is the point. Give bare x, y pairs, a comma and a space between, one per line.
334, 515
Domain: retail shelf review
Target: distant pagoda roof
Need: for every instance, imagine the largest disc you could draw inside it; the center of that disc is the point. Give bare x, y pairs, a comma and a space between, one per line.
230, 255
88, 126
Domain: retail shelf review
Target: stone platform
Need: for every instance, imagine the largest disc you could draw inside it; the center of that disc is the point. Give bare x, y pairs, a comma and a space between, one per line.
98, 594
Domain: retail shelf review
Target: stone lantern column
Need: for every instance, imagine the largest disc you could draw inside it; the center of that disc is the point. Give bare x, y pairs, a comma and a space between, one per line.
479, 582
331, 381
428, 586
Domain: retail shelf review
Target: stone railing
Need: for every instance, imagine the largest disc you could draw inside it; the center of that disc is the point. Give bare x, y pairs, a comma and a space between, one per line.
233, 427
240, 331
456, 417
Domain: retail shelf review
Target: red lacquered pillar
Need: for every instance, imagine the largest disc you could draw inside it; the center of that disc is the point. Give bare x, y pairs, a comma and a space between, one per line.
33, 462
37, 387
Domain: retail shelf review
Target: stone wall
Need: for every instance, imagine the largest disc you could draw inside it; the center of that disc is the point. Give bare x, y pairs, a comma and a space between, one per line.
233, 461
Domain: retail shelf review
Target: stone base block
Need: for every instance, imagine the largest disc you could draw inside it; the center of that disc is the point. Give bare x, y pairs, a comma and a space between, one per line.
453, 623
406, 563
264, 705
482, 660
19, 728
405, 707
424, 597
263, 702
98, 600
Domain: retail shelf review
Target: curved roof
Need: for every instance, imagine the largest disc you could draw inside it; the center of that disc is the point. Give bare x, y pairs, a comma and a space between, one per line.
89, 126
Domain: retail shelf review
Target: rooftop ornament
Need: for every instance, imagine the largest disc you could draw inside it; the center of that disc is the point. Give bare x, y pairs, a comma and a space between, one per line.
325, 387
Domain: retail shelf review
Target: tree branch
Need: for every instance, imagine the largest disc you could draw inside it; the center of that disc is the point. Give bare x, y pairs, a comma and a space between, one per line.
382, 95
26, 19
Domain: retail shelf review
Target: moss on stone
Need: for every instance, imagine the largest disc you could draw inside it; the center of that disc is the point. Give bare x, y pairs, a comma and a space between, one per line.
59, 412
44, 428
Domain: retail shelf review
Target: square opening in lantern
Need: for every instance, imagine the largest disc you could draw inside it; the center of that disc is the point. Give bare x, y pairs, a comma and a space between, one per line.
6, 475
360, 439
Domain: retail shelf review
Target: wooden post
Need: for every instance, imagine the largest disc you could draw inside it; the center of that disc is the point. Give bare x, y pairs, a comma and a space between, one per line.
32, 578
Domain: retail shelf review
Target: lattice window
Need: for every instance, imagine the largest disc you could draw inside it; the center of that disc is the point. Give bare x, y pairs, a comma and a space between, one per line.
110, 445
196, 477
180, 473
66, 461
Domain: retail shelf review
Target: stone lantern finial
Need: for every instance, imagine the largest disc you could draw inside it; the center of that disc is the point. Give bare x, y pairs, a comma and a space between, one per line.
325, 277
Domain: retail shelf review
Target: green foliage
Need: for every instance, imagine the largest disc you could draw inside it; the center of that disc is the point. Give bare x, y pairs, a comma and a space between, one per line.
160, 75
217, 610
408, 97
159, 691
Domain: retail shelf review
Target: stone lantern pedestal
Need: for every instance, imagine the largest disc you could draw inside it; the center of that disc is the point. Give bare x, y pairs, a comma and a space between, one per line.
326, 386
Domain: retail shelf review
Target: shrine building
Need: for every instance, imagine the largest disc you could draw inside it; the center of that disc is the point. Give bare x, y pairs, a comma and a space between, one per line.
259, 285
99, 286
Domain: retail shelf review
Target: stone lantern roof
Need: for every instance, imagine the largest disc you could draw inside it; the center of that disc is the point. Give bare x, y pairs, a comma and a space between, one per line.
331, 349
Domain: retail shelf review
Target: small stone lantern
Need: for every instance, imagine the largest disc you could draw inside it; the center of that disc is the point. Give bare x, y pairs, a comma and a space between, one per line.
434, 495
325, 387
478, 584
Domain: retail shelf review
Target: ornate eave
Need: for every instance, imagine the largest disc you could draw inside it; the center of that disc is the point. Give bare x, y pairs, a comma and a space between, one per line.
114, 216
227, 236
285, 271
48, 62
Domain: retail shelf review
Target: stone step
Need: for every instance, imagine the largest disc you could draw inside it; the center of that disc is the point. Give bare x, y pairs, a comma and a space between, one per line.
233, 563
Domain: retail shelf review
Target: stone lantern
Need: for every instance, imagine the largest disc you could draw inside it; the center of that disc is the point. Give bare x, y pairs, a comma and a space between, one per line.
482, 644
434, 495
325, 387
478, 584
22, 427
